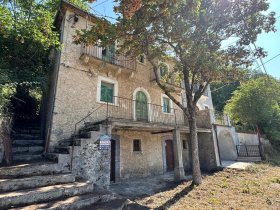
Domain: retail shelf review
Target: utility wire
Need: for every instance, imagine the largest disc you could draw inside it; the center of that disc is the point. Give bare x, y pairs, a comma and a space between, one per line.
100, 3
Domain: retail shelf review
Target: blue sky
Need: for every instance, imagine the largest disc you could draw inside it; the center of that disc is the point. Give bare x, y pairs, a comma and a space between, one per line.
270, 42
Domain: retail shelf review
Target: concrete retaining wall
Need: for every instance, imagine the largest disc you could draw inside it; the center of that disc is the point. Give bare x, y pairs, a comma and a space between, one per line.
248, 138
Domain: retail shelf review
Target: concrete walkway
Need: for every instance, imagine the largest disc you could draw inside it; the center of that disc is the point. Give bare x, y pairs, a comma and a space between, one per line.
147, 186
235, 165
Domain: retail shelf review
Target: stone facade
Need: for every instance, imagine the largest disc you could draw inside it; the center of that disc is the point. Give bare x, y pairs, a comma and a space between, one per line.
76, 93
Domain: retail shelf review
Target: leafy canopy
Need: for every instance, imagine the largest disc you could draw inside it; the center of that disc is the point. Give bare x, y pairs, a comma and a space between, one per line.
27, 35
255, 102
190, 31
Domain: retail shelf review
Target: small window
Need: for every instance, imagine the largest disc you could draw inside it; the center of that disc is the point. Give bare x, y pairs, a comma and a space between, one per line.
136, 145
141, 59
206, 107
166, 105
107, 92
185, 144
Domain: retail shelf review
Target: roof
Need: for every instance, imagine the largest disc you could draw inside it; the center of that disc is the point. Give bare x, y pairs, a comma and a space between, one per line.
65, 5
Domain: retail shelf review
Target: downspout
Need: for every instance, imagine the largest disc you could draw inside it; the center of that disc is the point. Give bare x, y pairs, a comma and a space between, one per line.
49, 126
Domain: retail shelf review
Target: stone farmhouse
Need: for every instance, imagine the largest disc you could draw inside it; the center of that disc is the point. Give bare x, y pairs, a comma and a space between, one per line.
95, 90
106, 121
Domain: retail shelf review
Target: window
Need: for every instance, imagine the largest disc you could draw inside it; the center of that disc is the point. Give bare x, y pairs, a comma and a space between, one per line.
184, 142
206, 107
136, 145
163, 70
141, 59
166, 105
107, 92
108, 54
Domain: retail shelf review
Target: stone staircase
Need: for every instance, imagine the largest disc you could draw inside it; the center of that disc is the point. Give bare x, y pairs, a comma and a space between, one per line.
46, 185
27, 144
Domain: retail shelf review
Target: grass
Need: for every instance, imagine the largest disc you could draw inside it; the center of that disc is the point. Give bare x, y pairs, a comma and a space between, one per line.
257, 187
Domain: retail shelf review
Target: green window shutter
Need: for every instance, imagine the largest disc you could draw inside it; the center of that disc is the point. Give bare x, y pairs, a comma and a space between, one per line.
107, 92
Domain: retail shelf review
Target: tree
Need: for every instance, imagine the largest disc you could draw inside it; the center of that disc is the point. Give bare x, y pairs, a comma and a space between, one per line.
221, 93
191, 32
256, 102
27, 35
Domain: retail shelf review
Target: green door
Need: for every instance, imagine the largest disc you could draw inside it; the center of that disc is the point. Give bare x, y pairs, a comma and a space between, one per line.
141, 106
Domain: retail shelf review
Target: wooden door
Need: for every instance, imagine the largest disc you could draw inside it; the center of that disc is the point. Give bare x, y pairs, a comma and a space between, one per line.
113, 161
169, 155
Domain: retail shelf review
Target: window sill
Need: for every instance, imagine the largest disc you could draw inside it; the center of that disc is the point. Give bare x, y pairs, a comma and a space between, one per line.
137, 152
167, 113
111, 104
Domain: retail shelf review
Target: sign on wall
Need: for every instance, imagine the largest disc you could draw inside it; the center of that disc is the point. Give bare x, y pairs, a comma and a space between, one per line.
105, 142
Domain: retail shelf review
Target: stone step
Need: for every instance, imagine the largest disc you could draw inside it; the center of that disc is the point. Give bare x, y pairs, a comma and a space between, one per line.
62, 149
20, 136
27, 130
115, 204
28, 149
34, 182
249, 159
31, 169
43, 194
28, 157
28, 142
72, 203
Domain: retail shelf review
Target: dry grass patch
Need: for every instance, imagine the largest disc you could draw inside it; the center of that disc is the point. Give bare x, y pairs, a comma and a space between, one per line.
258, 187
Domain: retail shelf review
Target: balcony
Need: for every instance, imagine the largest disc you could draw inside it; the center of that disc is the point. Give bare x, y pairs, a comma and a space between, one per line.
128, 113
100, 56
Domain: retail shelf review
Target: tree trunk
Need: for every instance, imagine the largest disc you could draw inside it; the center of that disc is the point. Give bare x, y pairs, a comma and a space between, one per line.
196, 173
5, 130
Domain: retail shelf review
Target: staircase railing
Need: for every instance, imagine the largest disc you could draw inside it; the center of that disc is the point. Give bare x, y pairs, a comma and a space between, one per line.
76, 130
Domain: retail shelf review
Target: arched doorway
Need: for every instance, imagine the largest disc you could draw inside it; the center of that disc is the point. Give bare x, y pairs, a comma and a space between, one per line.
141, 106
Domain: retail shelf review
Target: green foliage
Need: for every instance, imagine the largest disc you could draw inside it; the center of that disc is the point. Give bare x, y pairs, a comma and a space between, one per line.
191, 31
256, 102
221, 93
27, 35
6, 92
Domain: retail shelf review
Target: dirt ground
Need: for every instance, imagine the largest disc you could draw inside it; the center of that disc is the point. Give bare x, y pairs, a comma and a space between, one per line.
257, 187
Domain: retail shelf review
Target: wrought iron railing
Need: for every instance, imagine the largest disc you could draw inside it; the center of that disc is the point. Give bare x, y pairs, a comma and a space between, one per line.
109, 56
248, 150
133, 110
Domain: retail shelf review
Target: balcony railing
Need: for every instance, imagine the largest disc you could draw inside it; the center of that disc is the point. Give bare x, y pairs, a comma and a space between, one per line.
130, 111
109, 55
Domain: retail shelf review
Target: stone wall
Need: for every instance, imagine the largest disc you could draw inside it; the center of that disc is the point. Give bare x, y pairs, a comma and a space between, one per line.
207, 156
147, 162
91, 163
77, 84
186, 152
